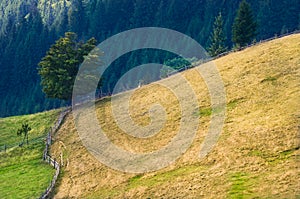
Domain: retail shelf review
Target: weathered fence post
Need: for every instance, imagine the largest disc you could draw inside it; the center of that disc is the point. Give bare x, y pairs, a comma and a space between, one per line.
49, 159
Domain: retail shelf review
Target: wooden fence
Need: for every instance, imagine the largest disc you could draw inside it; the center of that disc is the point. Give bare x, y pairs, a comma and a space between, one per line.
7, 147
47, 156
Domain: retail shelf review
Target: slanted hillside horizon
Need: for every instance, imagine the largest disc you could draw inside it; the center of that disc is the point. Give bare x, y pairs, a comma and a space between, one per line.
256, 156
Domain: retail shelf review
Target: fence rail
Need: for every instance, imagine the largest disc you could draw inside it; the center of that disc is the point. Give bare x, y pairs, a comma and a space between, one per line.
6, 147
47, 157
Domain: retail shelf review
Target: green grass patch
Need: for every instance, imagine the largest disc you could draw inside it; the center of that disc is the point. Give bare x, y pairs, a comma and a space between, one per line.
240, 186
233, 103
289, 151
40, 123
135, 178
208, 111
164, 177
104, 192
282, 156
205, 112
257, 153
269, 79
273, 159
23, 174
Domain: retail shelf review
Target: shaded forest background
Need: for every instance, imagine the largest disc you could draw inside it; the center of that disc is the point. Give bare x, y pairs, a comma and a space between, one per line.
29, 27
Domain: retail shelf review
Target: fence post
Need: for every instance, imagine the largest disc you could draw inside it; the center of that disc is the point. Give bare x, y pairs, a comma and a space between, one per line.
46, 150
4, 147
49, 137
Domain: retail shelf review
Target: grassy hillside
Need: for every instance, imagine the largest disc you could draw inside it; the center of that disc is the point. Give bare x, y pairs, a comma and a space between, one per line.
23, 174
257, 155
40, 123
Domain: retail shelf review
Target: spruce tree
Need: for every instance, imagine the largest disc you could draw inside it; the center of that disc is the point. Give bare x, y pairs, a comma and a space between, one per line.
244, 27
58, 69
217, 38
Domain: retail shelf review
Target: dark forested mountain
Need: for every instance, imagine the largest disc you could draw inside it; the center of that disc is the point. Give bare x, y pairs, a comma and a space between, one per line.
29, 27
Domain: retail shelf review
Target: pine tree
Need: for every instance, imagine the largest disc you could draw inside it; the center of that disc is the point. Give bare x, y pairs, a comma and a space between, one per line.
217, 38
244, 27
58, 69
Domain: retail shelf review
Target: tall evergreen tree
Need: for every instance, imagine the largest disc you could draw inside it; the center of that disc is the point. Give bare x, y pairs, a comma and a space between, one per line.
244, 27
217, 38
58, 69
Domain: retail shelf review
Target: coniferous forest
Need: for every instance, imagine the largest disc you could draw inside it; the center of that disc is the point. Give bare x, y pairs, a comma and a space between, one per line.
28, 28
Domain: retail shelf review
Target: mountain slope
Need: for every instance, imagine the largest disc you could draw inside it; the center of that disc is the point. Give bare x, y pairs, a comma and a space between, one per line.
257, 154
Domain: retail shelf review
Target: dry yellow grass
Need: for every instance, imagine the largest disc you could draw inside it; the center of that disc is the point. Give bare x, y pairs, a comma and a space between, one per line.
257, 155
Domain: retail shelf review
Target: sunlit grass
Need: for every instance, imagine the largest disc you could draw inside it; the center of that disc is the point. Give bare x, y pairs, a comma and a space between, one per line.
40, 123
23, 173
256, 155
